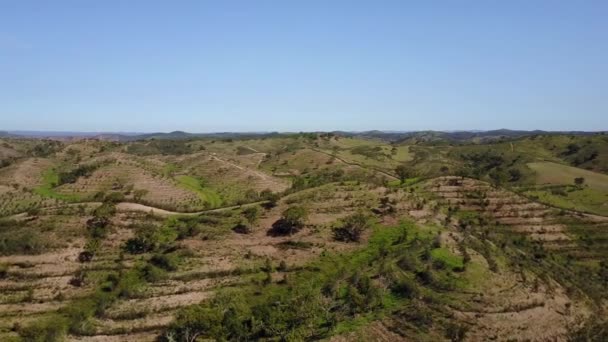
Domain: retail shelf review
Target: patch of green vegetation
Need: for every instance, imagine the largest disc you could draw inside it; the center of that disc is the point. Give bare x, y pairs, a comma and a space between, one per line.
592, 237
407, 182
72, 176
50, 179
333, 295
206, 194
49, 328
291, 244
159, 146
585, 199
16, 238
401, 154
108, 287
371, 152
557, 186
169, 169
559, 174
446, 257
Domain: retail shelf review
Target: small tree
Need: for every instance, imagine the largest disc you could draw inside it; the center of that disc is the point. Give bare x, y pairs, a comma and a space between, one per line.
251, 214
295, 216
270, 197
514, 175
3, 271
139, 194
352, 227
402, 172
292, 220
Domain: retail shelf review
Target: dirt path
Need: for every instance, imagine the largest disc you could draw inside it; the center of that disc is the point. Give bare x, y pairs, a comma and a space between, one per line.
129, 206
259, 174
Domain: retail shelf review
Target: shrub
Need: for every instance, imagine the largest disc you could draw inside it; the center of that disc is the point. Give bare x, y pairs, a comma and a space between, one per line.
53, 329
129, 284
426, 277
149, 237
352, 227
167, 262
3, 271
79, 314
251, 214
23, 241
105, 210
78, 279
185, 227
402, 172
114, 197
196, 321
241, 229
514, 175
85, 256
97, 226
404, 287
271, 199
73, 175
455, 332
291, 244
139, 194
137, 245
153, 274
292, 220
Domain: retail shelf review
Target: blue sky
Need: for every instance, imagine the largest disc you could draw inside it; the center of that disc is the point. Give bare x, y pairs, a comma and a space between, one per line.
203, 66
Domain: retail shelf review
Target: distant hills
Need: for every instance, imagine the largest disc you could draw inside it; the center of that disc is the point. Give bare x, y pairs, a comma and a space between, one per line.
422, 136
393, 136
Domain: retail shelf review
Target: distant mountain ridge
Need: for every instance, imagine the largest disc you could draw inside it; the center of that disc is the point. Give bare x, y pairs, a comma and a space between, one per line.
395, 136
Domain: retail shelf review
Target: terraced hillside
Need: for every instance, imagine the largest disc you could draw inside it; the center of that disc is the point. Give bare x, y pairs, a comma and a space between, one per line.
301, 237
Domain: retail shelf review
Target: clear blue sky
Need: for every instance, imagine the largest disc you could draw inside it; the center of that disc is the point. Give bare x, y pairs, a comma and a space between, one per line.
199, 66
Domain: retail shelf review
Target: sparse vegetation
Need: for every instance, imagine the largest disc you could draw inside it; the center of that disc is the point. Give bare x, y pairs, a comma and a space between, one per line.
345, 237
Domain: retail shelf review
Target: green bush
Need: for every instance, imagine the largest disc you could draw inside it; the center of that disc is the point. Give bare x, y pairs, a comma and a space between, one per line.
73, 175
314, 301
50, 329
195, 321
167, 262
185, 227
22, 241
149, 238
105, 210
129, 284
352, 227
79, 314
405, 287
292, 220
114, 197
3, 270
153, 274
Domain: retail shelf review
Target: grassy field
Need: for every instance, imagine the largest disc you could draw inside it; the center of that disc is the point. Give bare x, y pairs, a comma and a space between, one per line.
50, 179
585, 200
206, 194
559, 174
555, 186
449, 259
